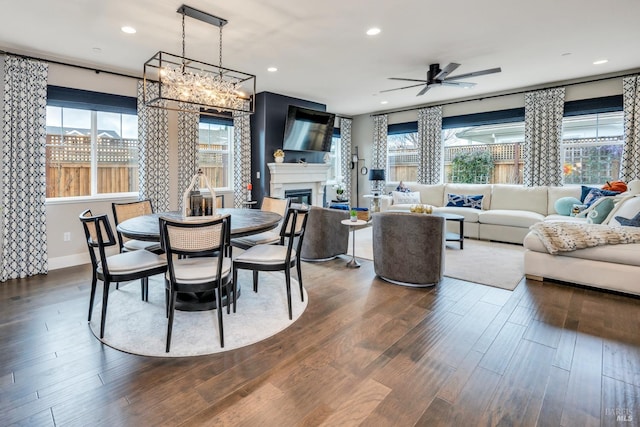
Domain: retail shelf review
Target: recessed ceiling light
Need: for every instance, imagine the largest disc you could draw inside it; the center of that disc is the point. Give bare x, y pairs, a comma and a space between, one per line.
566, 54
272, 69
96, 50
600, 62
373, 31
128, 30
384, 102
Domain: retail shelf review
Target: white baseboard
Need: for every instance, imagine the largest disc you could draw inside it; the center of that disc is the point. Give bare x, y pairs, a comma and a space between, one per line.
68, 261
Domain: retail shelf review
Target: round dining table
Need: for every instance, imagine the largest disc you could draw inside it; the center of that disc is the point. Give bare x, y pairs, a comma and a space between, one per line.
244, 222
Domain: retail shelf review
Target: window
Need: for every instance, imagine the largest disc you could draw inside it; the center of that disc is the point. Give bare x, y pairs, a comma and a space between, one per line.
484, 154
90, 152
402, 157
214, 151
591, 148
334, 174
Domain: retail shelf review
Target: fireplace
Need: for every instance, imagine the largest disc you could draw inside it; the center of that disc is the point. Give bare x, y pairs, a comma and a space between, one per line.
309, 178
299, 196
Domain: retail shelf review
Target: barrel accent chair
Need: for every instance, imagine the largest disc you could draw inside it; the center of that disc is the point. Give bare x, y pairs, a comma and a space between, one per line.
409, 248
326, 237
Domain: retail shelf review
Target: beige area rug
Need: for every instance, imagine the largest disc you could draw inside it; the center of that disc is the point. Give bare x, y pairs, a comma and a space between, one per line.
138, 327
489, 263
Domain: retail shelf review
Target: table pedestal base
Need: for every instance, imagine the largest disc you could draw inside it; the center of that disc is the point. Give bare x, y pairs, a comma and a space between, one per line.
201, 301
353, 263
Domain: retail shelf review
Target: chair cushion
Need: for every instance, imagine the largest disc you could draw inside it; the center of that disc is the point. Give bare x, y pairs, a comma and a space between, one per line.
199, 269
132, 262
138, 245
511, 218
265, 238
265, 254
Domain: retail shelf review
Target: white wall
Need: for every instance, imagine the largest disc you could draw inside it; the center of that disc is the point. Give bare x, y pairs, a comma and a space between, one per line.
362, 131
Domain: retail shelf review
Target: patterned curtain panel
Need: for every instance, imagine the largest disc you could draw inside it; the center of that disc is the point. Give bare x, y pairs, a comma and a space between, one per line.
430, 145
631, 153
188, 137
543, 112
345, 155
24, 229
380, 132
153, 137
241, 157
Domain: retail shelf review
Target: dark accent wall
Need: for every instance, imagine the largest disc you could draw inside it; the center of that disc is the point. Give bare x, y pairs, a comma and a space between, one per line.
267, 134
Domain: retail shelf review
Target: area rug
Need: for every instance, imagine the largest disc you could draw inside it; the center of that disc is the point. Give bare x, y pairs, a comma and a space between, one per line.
489, 263
138, 327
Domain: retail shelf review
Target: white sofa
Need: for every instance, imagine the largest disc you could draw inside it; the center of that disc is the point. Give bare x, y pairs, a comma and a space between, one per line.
509, 210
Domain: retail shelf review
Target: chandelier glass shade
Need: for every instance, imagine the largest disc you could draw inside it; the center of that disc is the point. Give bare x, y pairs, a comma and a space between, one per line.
175, 82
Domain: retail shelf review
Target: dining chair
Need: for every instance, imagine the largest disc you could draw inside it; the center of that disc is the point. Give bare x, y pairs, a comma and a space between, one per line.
197, 262
219, 200
121, 267
128, 210
270, 204
276, 257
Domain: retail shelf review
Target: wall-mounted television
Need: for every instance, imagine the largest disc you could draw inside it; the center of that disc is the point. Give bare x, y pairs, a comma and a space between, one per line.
308, 130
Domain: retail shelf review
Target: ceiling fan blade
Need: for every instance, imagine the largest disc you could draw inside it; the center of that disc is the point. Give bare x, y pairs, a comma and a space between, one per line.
476, 73
400, 88
407, 80
448, 69
458, 84
424, 90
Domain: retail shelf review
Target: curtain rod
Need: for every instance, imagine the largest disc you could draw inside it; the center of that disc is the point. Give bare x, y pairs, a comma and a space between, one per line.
519, 92
82, 67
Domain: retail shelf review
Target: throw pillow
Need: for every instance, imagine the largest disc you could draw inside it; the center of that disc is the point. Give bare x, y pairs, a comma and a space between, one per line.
564, 204
400, 198
465, 201
595, 193
600, 210
633, 222
584, 192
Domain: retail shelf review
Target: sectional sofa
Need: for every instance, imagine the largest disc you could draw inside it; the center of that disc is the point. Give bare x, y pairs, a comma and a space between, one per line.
506, 215
507, 211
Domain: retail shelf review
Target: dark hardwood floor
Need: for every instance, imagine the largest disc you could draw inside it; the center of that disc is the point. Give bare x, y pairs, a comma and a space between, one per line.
365, 352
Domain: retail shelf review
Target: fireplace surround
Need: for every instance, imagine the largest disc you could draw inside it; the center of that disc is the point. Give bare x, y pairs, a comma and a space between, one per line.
299, 176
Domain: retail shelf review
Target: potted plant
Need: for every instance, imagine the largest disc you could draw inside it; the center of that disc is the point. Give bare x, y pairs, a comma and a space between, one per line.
278, 156
339, 187
354, 215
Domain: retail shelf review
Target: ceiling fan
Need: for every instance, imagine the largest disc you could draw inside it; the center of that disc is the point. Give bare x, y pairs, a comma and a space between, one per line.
438, 77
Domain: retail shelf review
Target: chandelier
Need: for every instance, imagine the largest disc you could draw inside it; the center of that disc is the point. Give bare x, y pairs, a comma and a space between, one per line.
177, 83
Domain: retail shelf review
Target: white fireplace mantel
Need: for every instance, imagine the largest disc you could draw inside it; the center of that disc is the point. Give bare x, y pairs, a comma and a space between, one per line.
296, 176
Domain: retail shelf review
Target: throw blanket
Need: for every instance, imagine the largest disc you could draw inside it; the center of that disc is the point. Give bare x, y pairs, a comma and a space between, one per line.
569, 236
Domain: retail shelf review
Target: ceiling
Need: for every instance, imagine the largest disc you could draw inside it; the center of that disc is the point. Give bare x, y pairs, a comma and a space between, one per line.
322, 52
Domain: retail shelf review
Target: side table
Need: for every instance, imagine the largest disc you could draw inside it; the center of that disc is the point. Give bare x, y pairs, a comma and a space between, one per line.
454, 237
353, 225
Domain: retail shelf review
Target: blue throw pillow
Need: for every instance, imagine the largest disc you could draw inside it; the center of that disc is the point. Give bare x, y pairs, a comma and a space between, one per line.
600, 211
584, 192
465, 201
564, 205
596, 193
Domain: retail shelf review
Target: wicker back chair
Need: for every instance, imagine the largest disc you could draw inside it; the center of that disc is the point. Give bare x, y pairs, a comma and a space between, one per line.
121, 267
125, 211
196, 262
